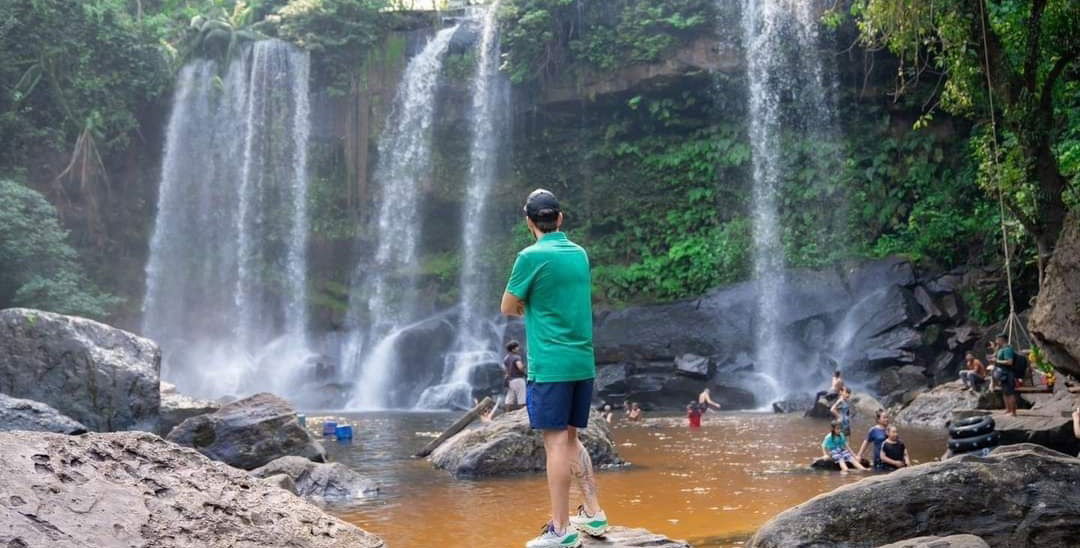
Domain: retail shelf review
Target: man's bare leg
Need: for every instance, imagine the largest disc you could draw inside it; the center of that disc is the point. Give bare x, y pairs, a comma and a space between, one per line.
558, 476
581, 469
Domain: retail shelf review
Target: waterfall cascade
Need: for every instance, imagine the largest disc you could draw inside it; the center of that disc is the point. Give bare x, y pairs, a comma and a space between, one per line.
383, 297
477, 333
226, 278
789, 91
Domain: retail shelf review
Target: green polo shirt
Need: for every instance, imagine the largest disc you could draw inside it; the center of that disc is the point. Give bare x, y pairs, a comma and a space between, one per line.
552, 277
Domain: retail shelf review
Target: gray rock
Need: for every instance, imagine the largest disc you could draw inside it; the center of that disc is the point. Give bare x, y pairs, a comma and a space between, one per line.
249, 433
507, 445
105, 378
933, 408
864, 278
177, 407
798, 403
329, 482
951, 541
898, 381
623, 537
933, 312
863, 406
19, 414
693, 365
135, 489
281, 481
1020, 495
961, 338
1046, 427
610, 382
1055, 321
946, 367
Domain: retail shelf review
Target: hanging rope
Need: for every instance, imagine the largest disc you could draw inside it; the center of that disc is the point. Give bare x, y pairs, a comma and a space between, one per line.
1012, 323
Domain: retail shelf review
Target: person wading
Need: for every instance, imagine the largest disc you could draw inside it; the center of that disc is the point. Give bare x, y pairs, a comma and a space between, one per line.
551, 286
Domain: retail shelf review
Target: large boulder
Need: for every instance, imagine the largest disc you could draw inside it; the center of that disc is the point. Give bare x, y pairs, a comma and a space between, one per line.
624, 537
249, 433
1055, 320
951, 541
177, 407
327, 482
1020, 495
19, 414
933, 408
507, 445
135, 489
103, 377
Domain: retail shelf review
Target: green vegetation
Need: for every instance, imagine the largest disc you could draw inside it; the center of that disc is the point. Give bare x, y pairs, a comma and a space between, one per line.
37, 266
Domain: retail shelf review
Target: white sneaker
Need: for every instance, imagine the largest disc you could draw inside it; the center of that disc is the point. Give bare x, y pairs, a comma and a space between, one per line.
596, 525
550, 539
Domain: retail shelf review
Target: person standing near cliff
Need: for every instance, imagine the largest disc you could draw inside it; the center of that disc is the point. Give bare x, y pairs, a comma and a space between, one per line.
551, 286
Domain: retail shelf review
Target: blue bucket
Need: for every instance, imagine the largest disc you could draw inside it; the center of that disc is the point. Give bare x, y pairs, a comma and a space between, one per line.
344, 433
329, 428
303, 419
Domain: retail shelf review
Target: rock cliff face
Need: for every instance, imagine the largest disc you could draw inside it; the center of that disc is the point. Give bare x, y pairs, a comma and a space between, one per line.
891, 331
103, 377
135, 489
1055, 322
1021, 495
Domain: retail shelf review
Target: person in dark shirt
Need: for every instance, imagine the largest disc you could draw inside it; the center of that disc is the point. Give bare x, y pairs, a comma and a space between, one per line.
514, 369
894, 453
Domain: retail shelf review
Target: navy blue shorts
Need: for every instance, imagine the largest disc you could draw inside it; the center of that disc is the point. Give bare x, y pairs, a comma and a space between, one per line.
554, 405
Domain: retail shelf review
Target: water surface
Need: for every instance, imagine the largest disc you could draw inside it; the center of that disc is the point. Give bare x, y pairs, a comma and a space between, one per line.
712, 486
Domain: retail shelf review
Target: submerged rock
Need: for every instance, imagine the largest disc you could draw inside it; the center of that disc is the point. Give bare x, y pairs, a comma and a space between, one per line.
19, 414
135, 489
176, 408
933, 408
329, 482
624, 537
507, 445
103, 377
1020, 495
249, 433
951, 541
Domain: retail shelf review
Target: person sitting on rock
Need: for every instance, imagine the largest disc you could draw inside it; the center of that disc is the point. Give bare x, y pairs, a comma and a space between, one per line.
894, 453
834, 390
633, 412
1003, 372
974, 377
877, 435
842, 411
705, 399
835, 446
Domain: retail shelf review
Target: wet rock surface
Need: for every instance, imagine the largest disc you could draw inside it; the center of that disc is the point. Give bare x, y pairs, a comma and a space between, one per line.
324, 482
951, 541
135, 489
100, 376
249, 433
19, 414
507, 446
1020, 495
1055, 321
624, 537
177, 407
933, 408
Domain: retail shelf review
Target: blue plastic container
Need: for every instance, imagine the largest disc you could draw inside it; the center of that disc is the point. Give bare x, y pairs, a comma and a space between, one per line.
344, 432
329, 428
303, 419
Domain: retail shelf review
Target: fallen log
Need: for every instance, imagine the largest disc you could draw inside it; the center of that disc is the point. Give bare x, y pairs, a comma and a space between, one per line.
458, 426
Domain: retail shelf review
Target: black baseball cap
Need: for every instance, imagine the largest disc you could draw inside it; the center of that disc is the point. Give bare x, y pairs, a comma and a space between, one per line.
542, 205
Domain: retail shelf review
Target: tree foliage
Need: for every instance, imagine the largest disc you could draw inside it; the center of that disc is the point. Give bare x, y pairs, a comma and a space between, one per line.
37, 266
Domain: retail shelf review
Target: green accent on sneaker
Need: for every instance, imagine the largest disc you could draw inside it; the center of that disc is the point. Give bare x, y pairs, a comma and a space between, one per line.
569, 540
597, 523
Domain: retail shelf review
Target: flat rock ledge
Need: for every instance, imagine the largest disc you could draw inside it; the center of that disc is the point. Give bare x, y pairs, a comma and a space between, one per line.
135, 489
508, 446
951, 541
624, 537
1019, 495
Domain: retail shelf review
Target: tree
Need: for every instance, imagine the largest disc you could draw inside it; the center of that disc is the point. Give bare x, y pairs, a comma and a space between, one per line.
1003, 64
37, 266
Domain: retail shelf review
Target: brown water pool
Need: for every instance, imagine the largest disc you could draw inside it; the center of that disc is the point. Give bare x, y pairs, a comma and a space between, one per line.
712, 486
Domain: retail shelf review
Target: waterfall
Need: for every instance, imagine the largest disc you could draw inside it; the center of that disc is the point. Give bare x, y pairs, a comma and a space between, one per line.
227, 277
788, 92
477, 333
388, 300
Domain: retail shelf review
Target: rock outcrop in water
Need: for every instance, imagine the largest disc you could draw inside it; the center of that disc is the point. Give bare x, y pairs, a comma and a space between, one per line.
249, 433
18, 414
624, 537
951, 541
507, 446
1021, 495
177, 407
135, 489
1055, 321
100, 376
327, 482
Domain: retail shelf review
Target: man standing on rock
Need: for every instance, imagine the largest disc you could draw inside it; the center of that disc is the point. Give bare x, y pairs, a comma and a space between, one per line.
1003, 371
551, 286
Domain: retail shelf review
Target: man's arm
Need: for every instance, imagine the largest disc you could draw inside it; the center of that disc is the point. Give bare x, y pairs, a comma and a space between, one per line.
519, 365
833, 409
512, 306
862, 448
